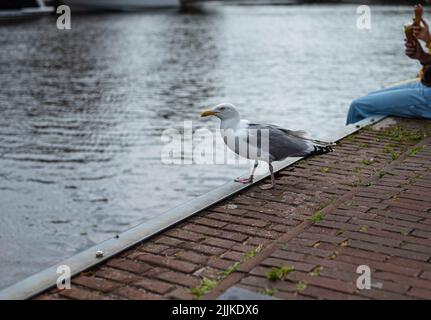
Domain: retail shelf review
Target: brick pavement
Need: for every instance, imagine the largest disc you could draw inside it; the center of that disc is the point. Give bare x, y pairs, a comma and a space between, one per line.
367, 203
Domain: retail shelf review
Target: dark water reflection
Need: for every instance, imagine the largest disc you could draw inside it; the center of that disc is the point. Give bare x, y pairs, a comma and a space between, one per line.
82, 111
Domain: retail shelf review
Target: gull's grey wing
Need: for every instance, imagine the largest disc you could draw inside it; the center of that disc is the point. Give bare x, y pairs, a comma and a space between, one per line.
302, 135
283, 143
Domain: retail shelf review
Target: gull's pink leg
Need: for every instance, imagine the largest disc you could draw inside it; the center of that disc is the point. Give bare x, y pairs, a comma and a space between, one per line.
244, 180
249, 179
272, 184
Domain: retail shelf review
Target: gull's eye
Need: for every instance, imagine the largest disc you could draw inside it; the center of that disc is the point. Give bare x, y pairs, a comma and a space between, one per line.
222, 109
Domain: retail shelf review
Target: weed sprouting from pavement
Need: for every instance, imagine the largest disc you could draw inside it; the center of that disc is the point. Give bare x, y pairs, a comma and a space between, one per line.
205, 286
279, 273
316, 217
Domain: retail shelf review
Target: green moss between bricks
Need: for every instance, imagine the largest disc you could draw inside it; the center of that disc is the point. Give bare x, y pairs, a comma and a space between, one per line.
316, 217
395, 155
367, 162
301, 286
279, 273
231, 269
316, 271
206, 285
268, 291
415, 150
324, 170
402, 134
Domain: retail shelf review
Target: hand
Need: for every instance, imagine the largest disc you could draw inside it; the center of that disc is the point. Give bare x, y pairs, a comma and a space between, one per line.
422, 32
414, 50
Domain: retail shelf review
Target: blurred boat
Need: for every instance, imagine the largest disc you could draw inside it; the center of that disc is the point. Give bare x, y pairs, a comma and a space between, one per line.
12, 9
121, 5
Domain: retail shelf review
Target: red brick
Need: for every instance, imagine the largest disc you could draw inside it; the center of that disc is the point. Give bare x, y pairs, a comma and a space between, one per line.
244, 248
363, 254
95, 283
260, 209
395, 214
426, 275
185, 235
322, 293
373, 239
382, 294
152, 248
216, 232
374, 195
388, 250
268, 218
49, 296
154, 285
415, 282
128, 265
136, 294
179, 278
333, 217
398, 236
209, 222
180, 294
238, 220
417, 248
333, 284
407, 224
168, 241
218, 263
335, 263
272, 262
81, 294
208, 272
233, 255
407, 205
413, 196
231, 211
413, 264
381, 226
422, 234
202, 248
117, 275
192, 257
280, 228
382, 266
306, 250
263, 283
222, 243
420, 293
323, 237
288, 255
170, 263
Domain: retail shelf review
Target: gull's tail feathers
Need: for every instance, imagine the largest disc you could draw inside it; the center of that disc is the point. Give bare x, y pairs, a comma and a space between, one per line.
318, 149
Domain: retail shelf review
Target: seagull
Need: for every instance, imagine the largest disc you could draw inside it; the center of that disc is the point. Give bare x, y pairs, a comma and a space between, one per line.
281, 143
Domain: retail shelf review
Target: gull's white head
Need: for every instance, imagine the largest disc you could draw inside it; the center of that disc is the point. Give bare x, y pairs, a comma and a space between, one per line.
222, 111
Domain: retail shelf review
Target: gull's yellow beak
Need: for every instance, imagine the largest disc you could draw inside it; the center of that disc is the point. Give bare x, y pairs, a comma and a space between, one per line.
207, 113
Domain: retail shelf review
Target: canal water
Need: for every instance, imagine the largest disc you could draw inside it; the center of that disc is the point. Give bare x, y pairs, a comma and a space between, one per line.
82, 111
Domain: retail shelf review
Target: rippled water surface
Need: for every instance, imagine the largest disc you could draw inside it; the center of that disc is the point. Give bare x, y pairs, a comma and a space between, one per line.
82, 111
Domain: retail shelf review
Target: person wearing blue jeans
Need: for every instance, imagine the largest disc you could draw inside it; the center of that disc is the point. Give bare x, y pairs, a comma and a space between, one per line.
409, 100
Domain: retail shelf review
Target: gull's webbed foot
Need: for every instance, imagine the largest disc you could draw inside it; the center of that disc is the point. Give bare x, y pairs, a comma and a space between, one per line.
244, 180
272, 184
267, 186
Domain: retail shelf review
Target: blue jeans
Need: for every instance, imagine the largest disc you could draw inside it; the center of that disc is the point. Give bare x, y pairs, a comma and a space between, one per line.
409, 100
